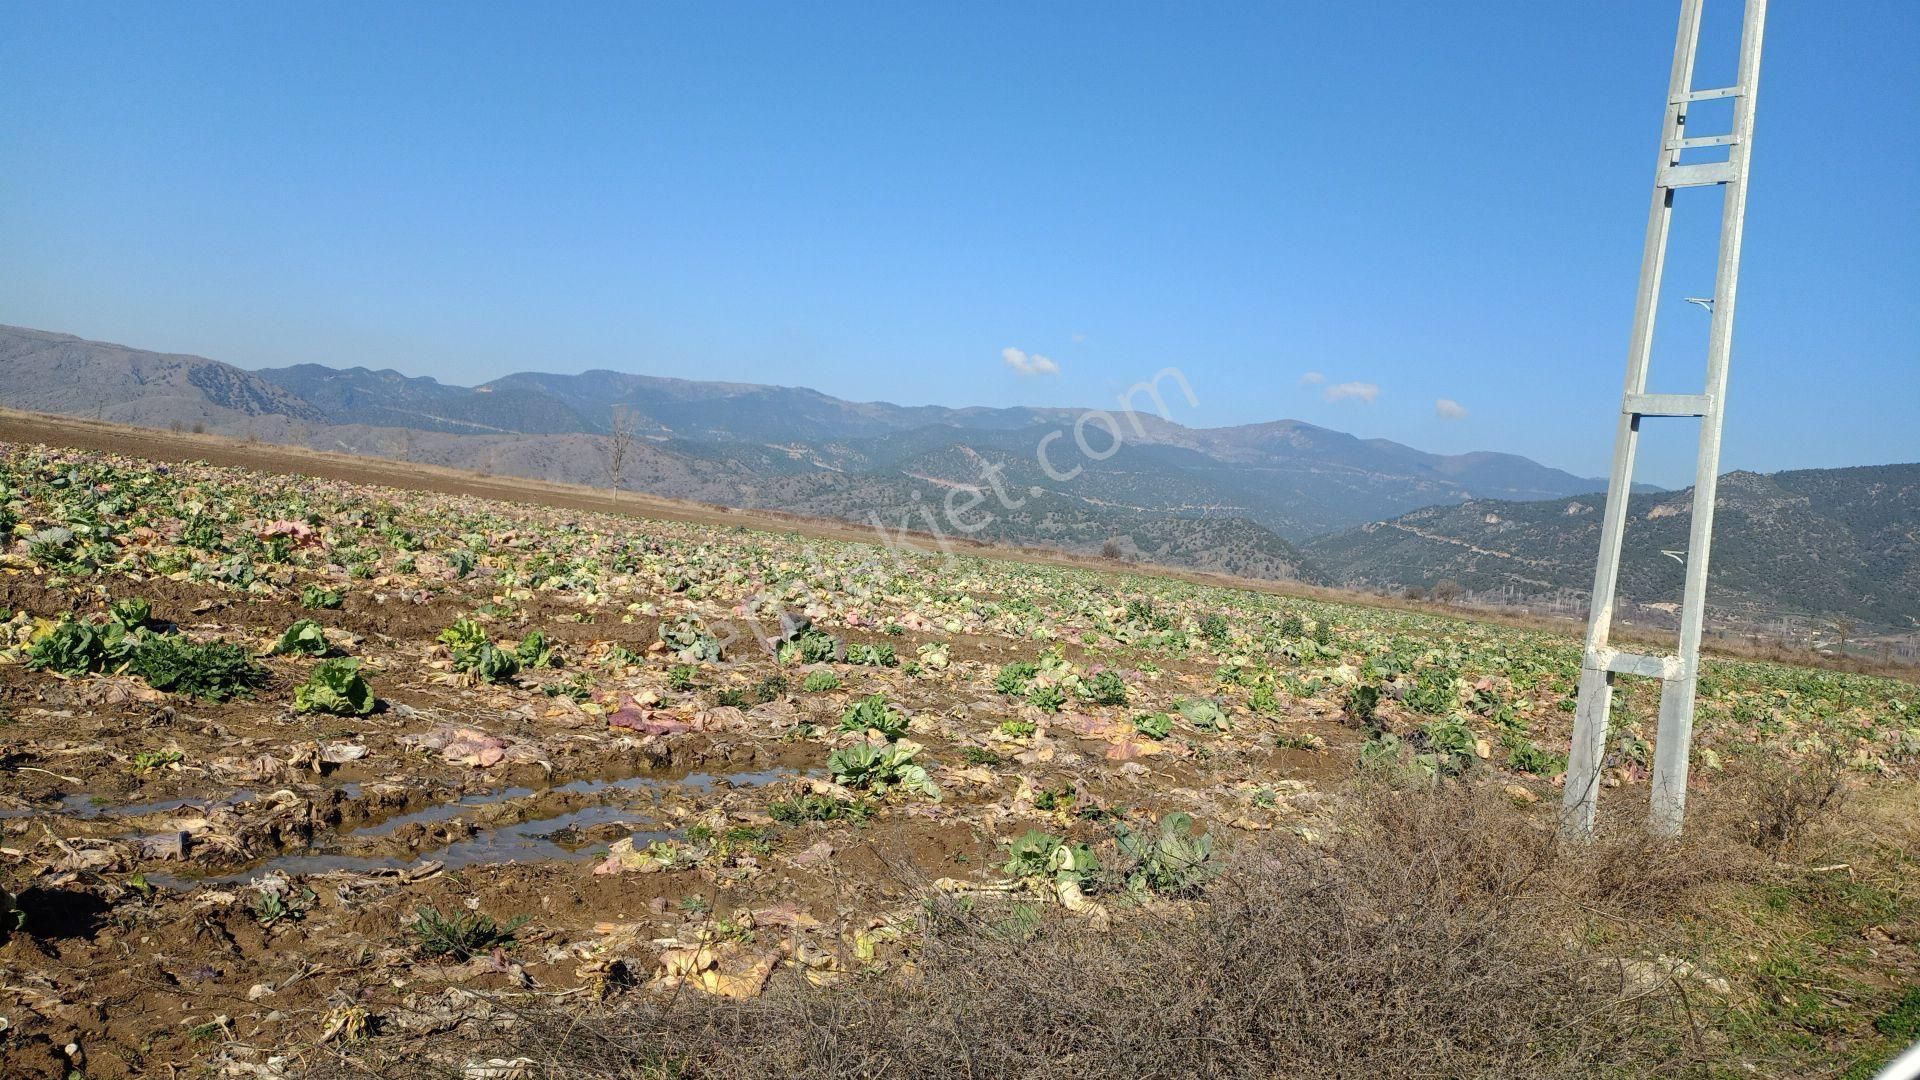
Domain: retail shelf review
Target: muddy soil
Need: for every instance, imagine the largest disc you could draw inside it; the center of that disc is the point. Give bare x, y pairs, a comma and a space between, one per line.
252, 895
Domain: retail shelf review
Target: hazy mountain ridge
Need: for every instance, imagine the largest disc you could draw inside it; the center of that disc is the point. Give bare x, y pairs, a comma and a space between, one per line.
1234, 499
61, 373
1295, 478
1337, 479
1243, 494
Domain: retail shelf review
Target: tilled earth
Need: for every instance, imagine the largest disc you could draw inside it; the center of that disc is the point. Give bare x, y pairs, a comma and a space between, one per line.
153, 943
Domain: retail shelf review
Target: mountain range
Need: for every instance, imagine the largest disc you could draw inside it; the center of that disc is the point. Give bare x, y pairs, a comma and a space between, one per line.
788, 448
1283, 500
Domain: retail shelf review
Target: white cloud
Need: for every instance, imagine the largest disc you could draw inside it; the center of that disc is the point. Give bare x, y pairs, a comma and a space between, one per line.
1365, 391
1028, 365
1079, 339
1448, 409
1312, 378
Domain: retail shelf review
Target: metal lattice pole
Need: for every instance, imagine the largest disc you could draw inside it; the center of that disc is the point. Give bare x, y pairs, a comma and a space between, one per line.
1601, 663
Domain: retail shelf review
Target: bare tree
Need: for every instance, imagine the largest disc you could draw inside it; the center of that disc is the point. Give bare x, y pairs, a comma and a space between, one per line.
1446, 590
1842, 630
618, 444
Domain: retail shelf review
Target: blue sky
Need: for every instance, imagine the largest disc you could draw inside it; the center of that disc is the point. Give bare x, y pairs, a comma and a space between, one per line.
1436, 200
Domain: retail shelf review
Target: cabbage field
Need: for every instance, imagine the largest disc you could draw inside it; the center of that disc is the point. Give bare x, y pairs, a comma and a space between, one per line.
298, 773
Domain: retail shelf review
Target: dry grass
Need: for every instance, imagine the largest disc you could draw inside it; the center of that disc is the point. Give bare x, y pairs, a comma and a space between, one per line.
1436, 936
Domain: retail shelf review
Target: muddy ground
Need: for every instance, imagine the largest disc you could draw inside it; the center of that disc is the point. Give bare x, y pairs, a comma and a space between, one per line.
153, 948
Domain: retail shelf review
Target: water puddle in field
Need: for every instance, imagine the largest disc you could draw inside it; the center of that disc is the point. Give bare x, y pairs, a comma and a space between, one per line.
539, 840
87, 806
700, 782
554, 837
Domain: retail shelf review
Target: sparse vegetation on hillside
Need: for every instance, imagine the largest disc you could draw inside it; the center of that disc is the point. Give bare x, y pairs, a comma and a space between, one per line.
1831, 543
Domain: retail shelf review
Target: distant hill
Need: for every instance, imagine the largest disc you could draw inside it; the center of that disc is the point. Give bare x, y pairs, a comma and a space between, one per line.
60, 373
1282, 499
1826, 542
1296, 479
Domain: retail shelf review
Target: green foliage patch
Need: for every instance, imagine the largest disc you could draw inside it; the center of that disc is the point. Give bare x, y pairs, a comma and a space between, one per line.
336, 687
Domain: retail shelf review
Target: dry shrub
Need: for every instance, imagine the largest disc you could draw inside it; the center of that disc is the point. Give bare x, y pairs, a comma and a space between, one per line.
1418, 943
1784, 799
1625, 871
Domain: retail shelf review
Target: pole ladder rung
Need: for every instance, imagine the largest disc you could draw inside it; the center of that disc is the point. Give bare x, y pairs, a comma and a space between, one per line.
1667, 404
1626, 663
1701, 175
1708, 95
1695, 142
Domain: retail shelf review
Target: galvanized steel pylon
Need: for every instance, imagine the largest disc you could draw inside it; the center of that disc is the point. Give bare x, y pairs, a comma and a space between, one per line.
1601, 663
